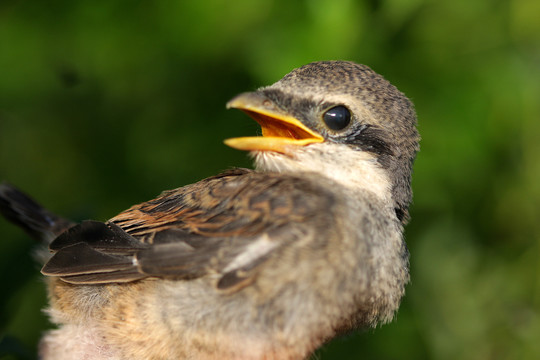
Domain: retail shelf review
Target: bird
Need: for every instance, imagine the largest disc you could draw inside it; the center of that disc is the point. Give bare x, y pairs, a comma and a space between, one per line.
263, 263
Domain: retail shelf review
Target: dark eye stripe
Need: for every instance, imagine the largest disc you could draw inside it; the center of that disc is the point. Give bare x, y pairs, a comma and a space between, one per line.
370, 139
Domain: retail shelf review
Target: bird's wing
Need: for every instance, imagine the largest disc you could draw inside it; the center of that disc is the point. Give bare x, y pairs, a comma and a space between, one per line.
226, 225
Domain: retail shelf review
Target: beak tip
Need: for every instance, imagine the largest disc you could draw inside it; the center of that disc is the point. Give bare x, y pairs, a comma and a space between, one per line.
246, 101
236, 102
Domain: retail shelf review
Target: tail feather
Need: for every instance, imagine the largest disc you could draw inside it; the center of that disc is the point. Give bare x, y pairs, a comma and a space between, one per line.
23, 211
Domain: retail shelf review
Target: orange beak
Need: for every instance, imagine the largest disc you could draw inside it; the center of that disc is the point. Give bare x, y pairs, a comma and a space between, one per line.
280, 132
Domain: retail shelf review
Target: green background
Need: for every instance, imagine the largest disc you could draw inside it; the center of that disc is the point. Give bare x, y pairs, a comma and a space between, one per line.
103, 104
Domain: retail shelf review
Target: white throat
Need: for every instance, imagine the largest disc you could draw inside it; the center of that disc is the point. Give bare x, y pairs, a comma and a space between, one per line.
351, 168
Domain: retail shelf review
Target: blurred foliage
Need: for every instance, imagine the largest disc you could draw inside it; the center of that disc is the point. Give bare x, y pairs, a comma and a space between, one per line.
105, 103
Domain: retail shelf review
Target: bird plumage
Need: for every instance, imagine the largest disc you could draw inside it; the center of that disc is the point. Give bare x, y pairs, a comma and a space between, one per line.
250, 264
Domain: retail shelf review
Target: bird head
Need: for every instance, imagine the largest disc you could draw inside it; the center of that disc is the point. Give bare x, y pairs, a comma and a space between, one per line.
339, 119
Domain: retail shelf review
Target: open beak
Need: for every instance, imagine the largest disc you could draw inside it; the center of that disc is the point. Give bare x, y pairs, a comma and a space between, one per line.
280, 132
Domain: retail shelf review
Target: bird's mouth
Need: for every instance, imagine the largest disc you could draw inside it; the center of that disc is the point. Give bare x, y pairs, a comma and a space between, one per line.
280, 132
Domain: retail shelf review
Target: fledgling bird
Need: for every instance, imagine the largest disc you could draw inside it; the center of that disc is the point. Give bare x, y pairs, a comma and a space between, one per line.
249, 264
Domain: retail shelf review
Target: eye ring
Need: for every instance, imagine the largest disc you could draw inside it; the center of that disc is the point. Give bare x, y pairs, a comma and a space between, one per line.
337, 118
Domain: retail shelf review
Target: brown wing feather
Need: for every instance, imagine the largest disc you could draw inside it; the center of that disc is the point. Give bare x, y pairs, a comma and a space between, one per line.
187, 232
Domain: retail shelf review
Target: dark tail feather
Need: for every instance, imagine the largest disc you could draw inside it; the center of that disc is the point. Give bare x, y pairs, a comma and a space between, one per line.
23, 211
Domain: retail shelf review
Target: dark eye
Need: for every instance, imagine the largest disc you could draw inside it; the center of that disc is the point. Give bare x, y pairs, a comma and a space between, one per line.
337, 118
